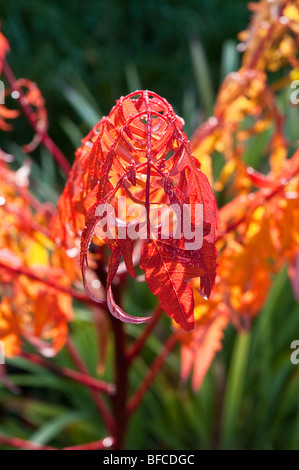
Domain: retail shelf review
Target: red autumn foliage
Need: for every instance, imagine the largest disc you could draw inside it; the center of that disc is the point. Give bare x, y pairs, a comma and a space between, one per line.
140, 152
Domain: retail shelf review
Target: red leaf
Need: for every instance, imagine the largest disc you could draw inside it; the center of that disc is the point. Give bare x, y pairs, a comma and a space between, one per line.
4, 49
167, 271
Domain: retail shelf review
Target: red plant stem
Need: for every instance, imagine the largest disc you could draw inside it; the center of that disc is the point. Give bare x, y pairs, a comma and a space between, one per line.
83, 379
105, 443
19, 270
136, 347
154, 369
99, 402
22, 444
122, 382
76, 358
32, 201
47, 141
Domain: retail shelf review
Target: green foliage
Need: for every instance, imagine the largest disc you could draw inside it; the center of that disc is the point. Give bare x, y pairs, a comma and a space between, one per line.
111, 46
249, 399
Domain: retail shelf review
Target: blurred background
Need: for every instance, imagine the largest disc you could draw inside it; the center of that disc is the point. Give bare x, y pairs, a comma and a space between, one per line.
87, 54
84, 56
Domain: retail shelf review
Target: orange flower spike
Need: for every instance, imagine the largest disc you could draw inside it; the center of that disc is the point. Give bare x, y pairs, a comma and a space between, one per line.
269, 43
39, 313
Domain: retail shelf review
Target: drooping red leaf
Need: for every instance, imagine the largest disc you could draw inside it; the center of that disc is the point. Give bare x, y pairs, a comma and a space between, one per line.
32, 97
167, 271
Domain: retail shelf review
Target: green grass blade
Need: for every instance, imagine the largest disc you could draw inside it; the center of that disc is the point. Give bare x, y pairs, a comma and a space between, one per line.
202, 77
234, 389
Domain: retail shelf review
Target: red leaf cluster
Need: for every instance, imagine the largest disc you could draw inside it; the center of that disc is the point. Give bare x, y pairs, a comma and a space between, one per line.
140, 153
